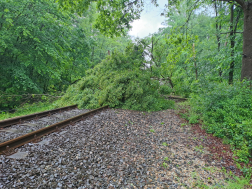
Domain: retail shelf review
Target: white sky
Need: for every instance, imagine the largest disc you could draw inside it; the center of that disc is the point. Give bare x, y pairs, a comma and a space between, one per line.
150, 20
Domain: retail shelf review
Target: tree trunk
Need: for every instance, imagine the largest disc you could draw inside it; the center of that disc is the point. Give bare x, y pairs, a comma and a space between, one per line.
195, 63
246, 71
218, 29
232, 42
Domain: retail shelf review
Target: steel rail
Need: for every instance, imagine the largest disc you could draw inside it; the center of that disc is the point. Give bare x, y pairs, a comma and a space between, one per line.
20, 119
8, 146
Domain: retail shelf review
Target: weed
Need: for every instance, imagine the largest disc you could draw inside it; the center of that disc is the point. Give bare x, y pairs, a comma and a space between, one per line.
193, 119
164, 165
211, 169
185, 116
199, 148
152, 130
238, 182
166, 159
183, 124
164, 144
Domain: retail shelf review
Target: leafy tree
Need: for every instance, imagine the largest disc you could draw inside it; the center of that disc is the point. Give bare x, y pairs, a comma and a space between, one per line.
116, 15
100, 44
118, 81
39, 47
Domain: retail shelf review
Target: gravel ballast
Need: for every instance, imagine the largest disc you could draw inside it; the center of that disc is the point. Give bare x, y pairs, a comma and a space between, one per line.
114, 149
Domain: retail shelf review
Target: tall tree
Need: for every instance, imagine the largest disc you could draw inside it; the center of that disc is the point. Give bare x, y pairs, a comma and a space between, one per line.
116, 15
246, 6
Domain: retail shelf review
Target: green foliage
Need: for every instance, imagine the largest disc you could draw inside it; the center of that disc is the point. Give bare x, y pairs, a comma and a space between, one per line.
44, 49
193, 118
27, 108
226, 110
152, 130
166, 159
164, 89
238, 183
39, 45
164, 165
114, 17
118, 81
165, 144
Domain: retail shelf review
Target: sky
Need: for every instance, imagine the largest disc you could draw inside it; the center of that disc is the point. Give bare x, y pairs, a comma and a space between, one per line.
150, 20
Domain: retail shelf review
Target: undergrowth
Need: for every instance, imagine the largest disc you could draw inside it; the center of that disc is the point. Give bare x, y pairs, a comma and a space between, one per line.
226, 112
28, 109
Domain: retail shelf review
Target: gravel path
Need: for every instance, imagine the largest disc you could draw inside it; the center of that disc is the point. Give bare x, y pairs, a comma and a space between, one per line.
114, 149
15, 131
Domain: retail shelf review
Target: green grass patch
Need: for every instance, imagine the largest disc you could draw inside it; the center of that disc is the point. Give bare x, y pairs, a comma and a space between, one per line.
28, 109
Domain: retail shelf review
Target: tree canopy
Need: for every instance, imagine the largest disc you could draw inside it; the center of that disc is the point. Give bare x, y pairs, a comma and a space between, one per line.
115, 16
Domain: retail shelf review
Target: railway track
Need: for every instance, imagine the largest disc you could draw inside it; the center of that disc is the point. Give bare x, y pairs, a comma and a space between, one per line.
7, 147
25, 124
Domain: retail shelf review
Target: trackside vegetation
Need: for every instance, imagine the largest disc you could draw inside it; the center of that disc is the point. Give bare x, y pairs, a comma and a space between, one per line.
120, 82
226, 112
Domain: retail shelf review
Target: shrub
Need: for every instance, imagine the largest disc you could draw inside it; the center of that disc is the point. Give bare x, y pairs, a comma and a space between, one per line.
226, 110
164, 89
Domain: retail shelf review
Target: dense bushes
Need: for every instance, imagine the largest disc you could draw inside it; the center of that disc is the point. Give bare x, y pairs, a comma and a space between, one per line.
118, 81
227, 112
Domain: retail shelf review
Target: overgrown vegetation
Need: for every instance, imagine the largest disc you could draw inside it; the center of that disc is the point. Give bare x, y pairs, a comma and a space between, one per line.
26, 109
118, 81
226, 112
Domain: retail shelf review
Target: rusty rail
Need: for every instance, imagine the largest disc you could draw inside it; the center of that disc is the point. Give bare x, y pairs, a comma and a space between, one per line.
20, 119
7, 146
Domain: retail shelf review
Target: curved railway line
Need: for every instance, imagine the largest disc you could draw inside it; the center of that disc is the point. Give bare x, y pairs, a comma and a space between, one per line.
42, 127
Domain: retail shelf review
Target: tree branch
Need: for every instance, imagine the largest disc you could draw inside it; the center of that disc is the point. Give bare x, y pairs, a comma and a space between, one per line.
194, 6
230, 32
240, 2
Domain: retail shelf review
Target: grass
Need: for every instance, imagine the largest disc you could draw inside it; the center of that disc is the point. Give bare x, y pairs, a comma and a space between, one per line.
183, 124
28, 109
